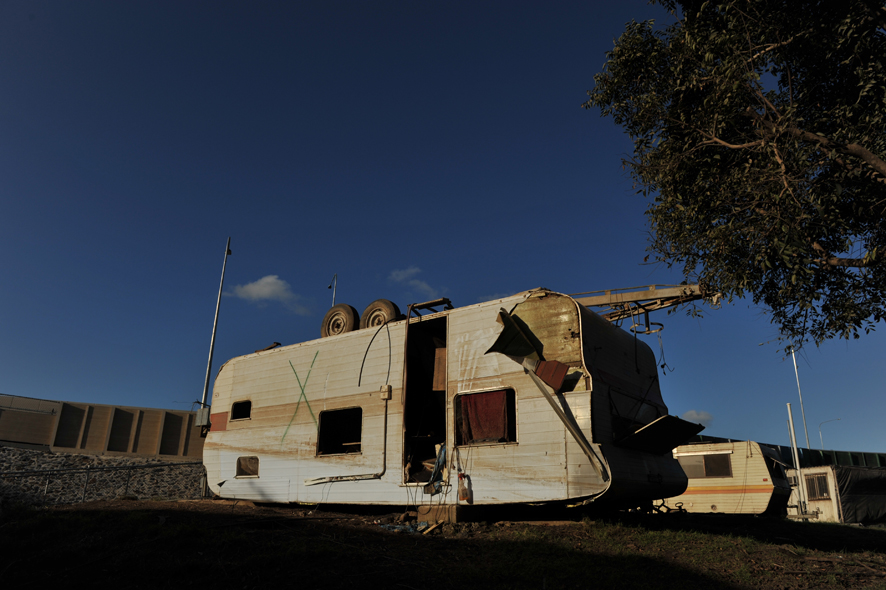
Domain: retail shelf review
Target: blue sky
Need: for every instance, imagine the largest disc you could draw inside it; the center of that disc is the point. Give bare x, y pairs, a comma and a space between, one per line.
416, 149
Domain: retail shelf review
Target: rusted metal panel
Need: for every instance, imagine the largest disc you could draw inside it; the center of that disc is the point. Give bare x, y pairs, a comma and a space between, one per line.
552, 372
552, 324
219, 421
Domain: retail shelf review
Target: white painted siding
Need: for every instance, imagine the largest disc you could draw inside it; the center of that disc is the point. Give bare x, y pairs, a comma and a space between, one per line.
544, 464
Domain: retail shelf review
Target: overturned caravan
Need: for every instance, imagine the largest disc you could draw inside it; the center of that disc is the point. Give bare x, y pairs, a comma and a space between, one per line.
531, 398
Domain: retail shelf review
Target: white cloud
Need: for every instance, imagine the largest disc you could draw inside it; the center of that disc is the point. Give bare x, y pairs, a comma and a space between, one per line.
698, 417
401, 276
270, 288
405, 277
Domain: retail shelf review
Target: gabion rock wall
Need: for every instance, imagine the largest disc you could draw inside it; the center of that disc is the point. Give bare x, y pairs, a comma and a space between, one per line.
44, 478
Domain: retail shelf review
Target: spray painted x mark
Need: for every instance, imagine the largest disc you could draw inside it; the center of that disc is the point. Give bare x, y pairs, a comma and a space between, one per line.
302, 396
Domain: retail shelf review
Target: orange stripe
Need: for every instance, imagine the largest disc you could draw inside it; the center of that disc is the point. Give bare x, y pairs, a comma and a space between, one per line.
729, 490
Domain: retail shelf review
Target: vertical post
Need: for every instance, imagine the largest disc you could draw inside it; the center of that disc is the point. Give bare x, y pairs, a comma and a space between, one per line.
802, 409
801, 483
85, 485
215, 324
128, 479
332, 285
46, 488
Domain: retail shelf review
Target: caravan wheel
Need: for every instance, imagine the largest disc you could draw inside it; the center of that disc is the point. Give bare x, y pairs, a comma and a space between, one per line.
338, 320
378, 312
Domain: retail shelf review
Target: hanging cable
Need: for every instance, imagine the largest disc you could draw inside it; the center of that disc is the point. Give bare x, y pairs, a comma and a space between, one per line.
662, 363
388, 378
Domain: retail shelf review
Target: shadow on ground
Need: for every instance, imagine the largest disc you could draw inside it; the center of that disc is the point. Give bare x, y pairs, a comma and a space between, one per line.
239, 547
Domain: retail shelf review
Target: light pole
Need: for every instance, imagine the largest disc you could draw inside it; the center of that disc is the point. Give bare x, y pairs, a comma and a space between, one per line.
802, 409
214, 325
819, 431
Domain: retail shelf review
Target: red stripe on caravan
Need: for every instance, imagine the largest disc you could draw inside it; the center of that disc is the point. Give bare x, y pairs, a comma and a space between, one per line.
219, 422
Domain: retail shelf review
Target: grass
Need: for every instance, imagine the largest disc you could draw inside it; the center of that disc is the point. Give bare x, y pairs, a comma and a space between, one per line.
131, 544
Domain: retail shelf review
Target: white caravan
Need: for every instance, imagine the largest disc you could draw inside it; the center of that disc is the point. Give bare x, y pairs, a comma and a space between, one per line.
526, 399
736, 477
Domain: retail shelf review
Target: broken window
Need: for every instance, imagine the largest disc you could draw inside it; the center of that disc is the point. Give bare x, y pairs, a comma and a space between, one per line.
340, 431
629, 413
247, 467
486, 417
817, 487
241, 410
699, 466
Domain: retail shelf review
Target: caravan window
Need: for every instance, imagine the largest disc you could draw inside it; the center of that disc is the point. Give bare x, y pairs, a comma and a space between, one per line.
241, 410
247, 467
341, 431
487, 417
629, 413
699, 466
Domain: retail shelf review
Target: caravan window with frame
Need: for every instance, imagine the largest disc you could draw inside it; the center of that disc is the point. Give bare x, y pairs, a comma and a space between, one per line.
246, 467
710, 465
241, 410
340, 431
486, 417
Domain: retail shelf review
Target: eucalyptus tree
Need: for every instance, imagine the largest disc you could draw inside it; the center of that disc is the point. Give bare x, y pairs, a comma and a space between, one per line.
759, 130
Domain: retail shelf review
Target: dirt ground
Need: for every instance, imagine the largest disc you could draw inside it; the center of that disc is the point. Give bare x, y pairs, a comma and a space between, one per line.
224, 544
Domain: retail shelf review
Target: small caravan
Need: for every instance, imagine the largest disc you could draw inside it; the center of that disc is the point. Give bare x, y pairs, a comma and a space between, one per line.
526, 399
735, 477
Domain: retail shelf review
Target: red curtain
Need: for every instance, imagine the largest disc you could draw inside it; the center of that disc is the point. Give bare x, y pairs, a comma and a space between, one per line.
484, 417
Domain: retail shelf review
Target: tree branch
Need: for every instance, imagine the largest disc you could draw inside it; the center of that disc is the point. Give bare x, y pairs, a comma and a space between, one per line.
717, 141
850, 149
772, 46
829, 261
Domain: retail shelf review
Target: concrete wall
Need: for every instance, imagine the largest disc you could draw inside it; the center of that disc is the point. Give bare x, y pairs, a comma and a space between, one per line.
100, 429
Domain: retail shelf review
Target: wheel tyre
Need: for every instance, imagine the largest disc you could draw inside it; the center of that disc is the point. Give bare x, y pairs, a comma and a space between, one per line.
339, 319
378, 312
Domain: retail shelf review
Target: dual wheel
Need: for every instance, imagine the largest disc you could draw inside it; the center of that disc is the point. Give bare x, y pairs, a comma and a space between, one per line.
343, 318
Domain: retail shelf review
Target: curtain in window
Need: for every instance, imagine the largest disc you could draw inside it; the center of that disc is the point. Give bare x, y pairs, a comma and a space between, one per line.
484, 417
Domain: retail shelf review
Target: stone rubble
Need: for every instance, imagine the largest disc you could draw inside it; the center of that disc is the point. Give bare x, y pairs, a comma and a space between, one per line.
45, 478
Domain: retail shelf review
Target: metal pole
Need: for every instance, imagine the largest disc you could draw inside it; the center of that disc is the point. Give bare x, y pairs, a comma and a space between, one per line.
332, 285
819, 431
215, 324
802, 410
85, 485
801, 484
128, 479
